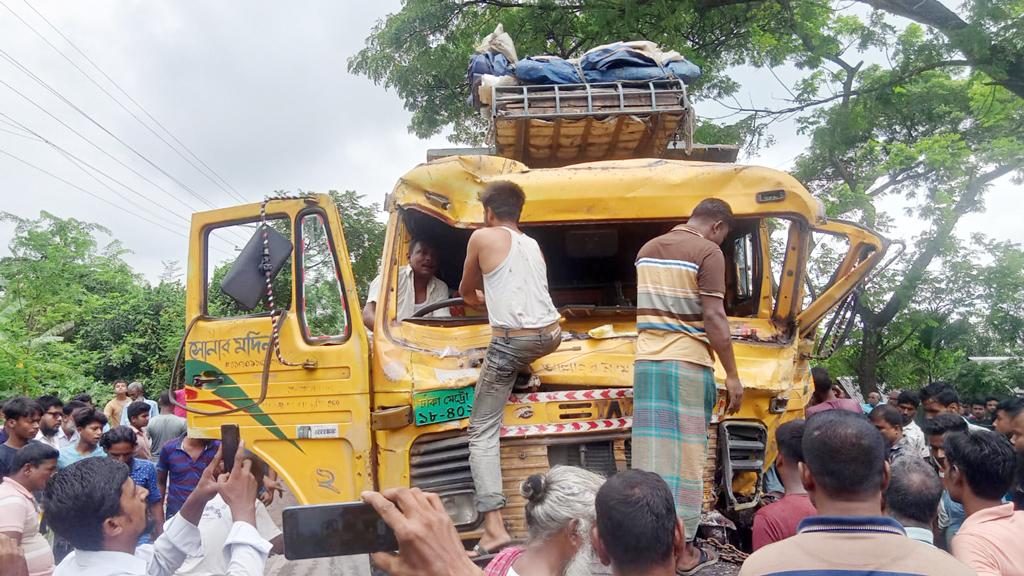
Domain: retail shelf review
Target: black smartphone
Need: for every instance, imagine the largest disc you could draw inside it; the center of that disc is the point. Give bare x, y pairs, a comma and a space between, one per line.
228, 445
344, 529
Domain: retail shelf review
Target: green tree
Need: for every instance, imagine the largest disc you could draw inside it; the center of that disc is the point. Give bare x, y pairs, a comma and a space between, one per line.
910, 99
364, 235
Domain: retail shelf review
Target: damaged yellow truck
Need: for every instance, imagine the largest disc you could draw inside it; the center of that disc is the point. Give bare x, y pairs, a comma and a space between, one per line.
336, 410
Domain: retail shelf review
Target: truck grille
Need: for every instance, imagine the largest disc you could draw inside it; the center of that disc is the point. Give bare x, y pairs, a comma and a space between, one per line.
598, 457
440, 465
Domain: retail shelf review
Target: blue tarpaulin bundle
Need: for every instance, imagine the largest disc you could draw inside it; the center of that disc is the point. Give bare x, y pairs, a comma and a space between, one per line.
613, 63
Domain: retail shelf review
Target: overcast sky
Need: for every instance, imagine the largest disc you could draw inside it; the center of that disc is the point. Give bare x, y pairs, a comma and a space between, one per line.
258, 90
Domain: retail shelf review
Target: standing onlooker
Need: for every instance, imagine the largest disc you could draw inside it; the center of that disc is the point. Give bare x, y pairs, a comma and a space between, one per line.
907, 403
120, 444
874, 399
68, 427
84, 398
912, 498
509, 266
1006, 411
638, 531
96, 505
165, 426
979, 413
138, 419
845, 472
136, 393
52, 417
893, 397
21, 422
117, 404
19, 512
825, 398
941, 398
179, 467
991, 403
951, 513
89, 423
779, 520
889, 423
682, 324
979, 470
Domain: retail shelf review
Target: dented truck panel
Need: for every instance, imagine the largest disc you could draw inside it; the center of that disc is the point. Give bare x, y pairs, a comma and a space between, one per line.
399, 407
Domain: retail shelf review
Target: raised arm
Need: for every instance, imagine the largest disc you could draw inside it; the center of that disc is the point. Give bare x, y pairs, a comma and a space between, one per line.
472, 278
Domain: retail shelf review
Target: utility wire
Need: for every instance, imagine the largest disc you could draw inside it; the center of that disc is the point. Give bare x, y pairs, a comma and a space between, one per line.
133, 101
104, 152
56, 93
79, 161
116, 101
90, 193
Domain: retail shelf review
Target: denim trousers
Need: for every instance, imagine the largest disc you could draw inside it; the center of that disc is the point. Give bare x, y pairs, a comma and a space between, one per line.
506, 357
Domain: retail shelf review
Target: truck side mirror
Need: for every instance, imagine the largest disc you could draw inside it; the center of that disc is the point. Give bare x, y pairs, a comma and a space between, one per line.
246, 281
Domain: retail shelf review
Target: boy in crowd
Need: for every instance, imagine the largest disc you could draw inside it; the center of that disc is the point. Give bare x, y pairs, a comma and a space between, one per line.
1006, 411
913, 496
164, 426
89, 422
117, 404
779, 520
21, 423
889, 423
941, 398
825, 398
68, 425
19, 512
180, 467
979, 470
50, 421
951, 513
991, 403
120, 443
845, 472
979, 413
138, 418
907, 402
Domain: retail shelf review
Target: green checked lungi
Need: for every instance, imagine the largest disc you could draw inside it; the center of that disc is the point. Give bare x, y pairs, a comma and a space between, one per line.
672, 404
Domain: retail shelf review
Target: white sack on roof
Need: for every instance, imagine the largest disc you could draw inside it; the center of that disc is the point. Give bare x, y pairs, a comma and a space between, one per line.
498, 41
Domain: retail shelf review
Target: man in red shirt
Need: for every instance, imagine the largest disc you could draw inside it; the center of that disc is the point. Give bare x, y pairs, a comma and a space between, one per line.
824, 398
779, 520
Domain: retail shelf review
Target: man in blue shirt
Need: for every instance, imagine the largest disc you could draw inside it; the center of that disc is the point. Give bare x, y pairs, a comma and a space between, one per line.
121, 443
180, 466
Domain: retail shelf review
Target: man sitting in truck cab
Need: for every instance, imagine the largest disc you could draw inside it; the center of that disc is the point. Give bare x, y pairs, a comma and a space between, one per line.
417, 285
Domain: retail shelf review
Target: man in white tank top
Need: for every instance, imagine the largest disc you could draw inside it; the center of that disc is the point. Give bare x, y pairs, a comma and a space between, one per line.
504, 271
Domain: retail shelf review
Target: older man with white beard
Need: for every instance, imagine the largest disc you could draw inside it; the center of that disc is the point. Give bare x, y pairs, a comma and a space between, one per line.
559, 516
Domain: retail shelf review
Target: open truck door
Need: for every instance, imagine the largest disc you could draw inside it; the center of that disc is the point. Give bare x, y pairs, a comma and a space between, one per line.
864, 251
299, 392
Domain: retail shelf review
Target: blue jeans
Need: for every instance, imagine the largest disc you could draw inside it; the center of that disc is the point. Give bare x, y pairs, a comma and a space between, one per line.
507, 356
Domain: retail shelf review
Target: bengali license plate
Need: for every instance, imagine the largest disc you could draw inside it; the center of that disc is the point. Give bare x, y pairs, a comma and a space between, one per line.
442, 405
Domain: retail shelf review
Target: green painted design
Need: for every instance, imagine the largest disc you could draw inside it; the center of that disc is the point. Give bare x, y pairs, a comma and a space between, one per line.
230, 391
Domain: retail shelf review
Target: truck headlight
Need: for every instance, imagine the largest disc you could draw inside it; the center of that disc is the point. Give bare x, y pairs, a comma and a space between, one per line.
461, 508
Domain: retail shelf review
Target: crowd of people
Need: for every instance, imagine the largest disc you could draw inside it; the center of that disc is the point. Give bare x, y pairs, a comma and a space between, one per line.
123, 490
855, 488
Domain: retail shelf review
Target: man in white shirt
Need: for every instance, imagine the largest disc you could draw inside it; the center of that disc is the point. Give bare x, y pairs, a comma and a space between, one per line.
95, 505
216, 525
417, 285
907, 403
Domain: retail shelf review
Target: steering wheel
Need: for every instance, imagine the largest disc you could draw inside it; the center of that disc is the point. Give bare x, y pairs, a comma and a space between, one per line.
424, 310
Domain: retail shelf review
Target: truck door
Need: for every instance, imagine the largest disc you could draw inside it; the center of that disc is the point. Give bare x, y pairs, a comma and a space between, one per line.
303, 405
863, 251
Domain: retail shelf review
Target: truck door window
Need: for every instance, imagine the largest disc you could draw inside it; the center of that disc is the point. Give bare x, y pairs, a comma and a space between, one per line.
743, 261
223, 244
826, 255
323, 312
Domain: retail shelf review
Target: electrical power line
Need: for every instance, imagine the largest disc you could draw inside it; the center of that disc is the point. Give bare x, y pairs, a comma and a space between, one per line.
133, 101
79, 162
90, 193
230, 192
57, 93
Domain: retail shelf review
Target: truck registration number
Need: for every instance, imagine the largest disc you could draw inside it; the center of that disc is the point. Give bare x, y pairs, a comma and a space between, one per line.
442, 405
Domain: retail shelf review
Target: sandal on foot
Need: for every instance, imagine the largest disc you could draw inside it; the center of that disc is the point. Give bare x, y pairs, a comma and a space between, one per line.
706, 559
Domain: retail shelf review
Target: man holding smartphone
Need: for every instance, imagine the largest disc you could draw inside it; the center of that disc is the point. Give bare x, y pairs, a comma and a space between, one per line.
96, 506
